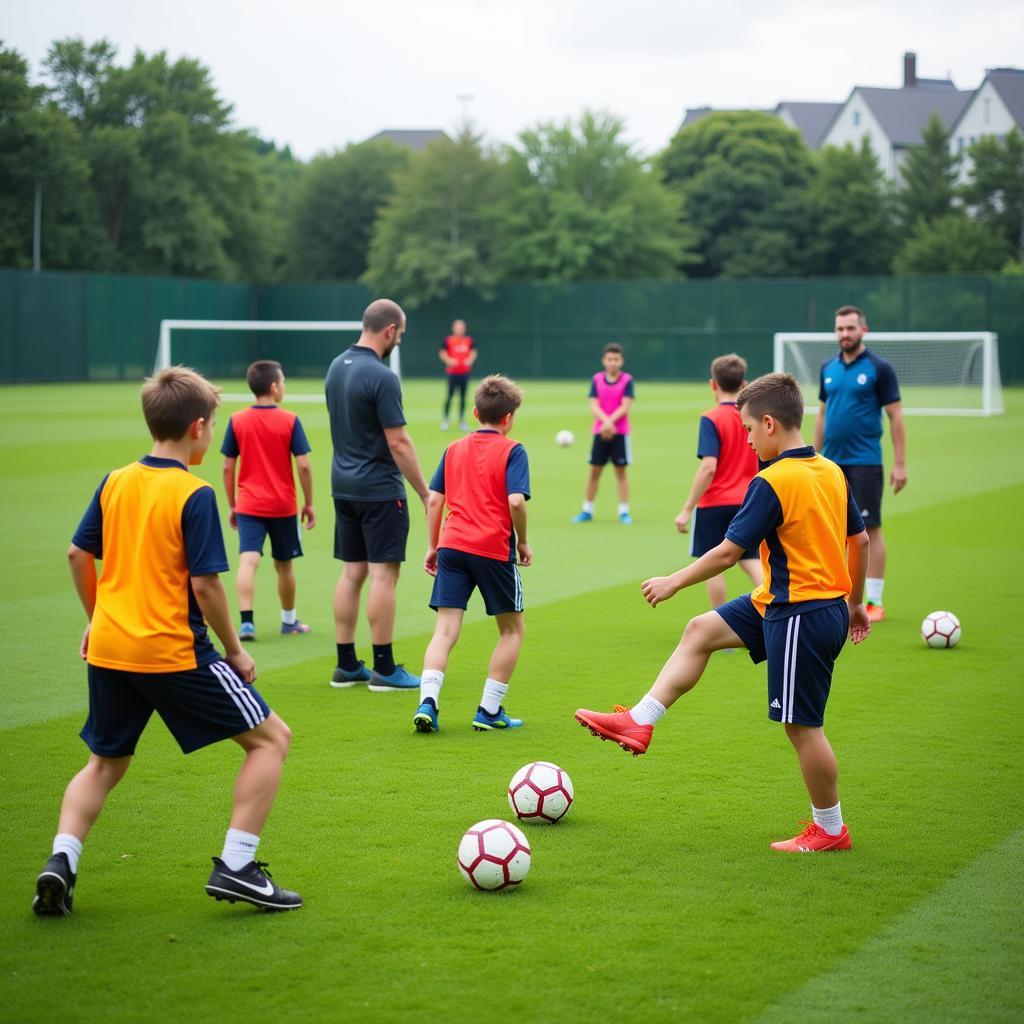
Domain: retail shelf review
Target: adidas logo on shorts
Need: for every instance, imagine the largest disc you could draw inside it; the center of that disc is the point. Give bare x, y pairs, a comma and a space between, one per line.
775, 704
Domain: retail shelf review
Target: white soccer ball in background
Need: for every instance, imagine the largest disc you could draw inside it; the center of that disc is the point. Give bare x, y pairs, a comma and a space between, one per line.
564, 438
941, 629
494, 855
540, 791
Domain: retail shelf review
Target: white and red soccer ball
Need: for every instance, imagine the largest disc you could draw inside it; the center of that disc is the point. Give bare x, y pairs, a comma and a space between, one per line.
941, 629
540, 791
493, 855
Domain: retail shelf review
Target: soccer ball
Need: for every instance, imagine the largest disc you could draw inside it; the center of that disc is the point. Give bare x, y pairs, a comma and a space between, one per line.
494, 855
941, 629
564, 438
540, 791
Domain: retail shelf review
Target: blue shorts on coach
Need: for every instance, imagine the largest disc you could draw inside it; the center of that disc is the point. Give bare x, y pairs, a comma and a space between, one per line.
801, 650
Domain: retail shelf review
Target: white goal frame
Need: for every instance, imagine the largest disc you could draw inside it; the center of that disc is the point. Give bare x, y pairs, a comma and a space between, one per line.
163, 350
985, 341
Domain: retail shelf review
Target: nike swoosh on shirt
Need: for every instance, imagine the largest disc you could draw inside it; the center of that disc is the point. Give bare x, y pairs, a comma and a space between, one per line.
347, 362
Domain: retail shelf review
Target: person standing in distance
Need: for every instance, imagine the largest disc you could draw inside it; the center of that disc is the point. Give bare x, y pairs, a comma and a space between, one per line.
856, 385
458, 355
372, 452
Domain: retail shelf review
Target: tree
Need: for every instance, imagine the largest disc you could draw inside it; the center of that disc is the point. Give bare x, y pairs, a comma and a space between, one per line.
743, 178
953, 244
335, 208
582, 205
929, 175
850, 213
995, 190
439, 228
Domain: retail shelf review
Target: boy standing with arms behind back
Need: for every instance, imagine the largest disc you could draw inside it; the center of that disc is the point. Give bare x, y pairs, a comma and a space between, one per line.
814, 552
484, 479
156, 528
267, 437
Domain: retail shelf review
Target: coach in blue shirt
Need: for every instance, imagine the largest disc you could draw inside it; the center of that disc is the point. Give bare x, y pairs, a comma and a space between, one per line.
856, 385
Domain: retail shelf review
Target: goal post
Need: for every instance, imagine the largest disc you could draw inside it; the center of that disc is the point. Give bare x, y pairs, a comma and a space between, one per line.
943, 373
167, 327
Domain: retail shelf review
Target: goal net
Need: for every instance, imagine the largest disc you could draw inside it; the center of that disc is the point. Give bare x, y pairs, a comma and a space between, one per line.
949, 373
168, 328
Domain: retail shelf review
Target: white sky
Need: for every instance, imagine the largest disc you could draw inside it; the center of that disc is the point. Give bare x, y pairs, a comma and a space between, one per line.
317, 74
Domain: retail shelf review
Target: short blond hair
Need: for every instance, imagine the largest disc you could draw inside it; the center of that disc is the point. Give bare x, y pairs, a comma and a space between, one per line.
496, 396
174, 398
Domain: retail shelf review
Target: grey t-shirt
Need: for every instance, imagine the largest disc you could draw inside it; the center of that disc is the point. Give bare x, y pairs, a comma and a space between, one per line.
363, 397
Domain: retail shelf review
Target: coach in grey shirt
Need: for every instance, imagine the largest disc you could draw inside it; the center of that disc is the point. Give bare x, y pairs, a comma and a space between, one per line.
372, 452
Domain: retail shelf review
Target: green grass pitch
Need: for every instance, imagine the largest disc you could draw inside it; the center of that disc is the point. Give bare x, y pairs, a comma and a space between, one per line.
657, 898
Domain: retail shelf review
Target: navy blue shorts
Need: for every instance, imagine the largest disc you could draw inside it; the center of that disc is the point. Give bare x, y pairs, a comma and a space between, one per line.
709, 526
370, 531
284, 535
867, 484
615, 450
200, 707
800, 650
458, 572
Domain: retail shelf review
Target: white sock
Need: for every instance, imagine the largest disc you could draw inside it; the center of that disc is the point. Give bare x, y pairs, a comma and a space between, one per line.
623, 507
873, 587
647, 712
494, 694
70, 846
828, 818
239, 848
588, 506
288, 616
431, 681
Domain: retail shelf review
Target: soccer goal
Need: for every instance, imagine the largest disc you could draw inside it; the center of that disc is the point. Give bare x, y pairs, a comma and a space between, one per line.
164, 351
951, 373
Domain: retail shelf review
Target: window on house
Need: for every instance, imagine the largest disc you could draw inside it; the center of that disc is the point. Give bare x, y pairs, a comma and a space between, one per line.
985, 103
856, 119
960, 144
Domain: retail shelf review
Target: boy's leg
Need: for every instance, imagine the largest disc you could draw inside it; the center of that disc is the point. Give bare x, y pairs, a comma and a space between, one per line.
752, 567
286, 595
593, 480
817, 763
245, 585
623, 484
506, 653
87, 792
717, 592
435, 664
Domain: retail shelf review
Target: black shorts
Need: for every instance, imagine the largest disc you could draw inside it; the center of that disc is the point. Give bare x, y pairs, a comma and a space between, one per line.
616, 450
458, 572
867, 485
284, 536
370, 531
199, 706
708, 529
801, 651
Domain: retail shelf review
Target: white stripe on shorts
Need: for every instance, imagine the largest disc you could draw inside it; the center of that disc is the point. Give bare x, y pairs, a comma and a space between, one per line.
233, 686
519, 589
789, 667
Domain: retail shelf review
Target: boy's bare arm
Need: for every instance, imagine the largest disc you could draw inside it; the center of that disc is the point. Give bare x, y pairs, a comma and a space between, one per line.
213, 603
715, 561
621, 411
600, 415
83, 574
819, 428
229, 489
517, 507
701, 482
403, 451
435, 509
857, 548
307, 514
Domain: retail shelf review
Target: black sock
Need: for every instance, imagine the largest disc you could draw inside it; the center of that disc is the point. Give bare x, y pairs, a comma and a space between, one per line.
247, 616
383, 659
347, 659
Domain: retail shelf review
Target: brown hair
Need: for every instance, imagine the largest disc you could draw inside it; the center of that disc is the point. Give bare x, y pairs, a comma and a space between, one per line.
776, 395
612, 346
262, 375
380, 314
847, 310
174, 398
496, 396
729, 372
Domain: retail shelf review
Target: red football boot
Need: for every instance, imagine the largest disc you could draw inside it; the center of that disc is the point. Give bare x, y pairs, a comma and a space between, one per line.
619, 727
814, 839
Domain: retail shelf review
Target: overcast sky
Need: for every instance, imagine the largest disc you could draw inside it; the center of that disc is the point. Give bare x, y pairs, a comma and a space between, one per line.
318, 74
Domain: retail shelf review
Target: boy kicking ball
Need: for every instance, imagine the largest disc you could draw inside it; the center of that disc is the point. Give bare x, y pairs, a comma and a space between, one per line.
814, 550
484, 479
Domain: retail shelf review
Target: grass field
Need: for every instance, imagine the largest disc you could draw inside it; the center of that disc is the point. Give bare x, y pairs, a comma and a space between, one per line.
657, 898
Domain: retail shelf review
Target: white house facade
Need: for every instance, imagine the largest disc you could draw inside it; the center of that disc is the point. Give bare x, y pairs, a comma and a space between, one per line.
997, 107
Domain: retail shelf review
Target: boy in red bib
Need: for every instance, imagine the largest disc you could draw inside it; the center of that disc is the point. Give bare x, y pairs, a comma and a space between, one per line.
458, 355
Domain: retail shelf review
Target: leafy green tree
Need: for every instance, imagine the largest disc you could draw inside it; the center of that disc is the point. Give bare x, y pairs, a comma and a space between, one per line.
953, 244
995, 189
743, 177
850, 213
929, 175
440, 228
335, 208
582, 205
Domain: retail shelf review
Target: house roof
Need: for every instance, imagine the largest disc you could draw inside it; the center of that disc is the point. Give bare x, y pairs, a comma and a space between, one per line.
694, 114
811, 119
902, 113
414, 138
1009, 83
